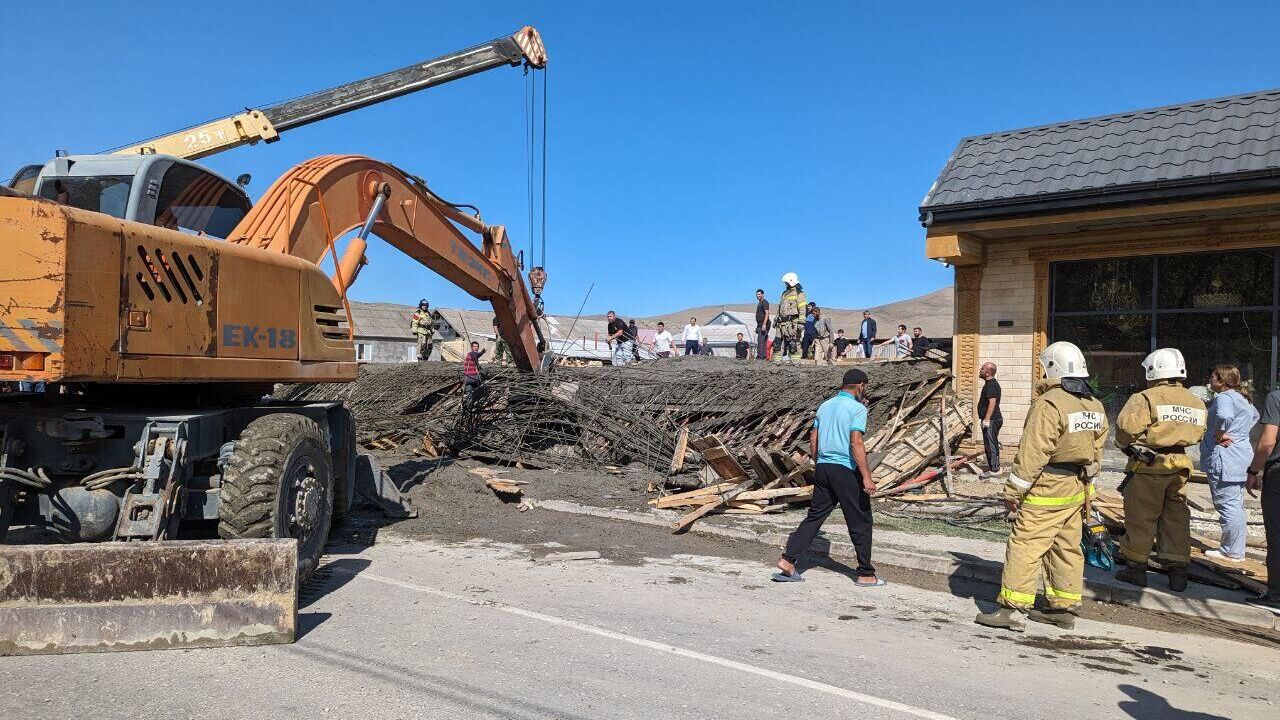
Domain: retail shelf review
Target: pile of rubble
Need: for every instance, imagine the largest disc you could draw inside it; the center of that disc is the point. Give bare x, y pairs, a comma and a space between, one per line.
594, 416
737, 432
913, 448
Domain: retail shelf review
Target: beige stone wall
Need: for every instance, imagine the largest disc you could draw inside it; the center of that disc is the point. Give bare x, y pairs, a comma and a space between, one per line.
1008, 293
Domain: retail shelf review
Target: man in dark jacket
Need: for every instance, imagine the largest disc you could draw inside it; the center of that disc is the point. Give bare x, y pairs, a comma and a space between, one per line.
867, 333
919, 343
763, 323
741, 348
633, 334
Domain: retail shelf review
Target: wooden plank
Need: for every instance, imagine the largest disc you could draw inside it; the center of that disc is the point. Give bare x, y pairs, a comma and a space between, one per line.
760, 463
790, 493
921, 497
715, 454
919, 451
696, 496
686, 520
945, 446
682, 446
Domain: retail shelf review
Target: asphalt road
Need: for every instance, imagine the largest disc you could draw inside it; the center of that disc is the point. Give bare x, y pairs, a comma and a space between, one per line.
421, 629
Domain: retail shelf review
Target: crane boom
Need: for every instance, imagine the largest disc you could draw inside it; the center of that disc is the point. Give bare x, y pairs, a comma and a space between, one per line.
266, 124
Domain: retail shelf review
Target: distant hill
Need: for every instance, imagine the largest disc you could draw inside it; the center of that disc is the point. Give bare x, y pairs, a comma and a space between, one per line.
932, 312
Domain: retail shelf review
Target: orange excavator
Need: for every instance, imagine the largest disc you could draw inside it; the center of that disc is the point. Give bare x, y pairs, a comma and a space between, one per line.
146, 311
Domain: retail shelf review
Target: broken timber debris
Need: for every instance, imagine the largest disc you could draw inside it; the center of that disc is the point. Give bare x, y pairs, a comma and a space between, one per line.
582, 418
1249, 575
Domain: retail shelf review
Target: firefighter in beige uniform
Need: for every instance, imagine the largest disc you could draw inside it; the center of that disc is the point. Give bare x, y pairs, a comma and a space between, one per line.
791, 309
1058, 456
1154, 428
423, 327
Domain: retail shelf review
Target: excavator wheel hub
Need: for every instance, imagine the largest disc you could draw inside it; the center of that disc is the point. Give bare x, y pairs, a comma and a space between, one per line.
306, 503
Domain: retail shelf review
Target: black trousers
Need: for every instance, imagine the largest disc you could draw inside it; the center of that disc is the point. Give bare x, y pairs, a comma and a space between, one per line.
1271, 521
836, 485
991, 443
762, 344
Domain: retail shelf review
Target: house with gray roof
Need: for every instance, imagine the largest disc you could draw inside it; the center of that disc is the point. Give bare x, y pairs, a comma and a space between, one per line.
1123, 233
382, 332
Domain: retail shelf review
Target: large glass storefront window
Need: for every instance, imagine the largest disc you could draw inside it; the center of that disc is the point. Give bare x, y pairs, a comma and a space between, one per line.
1215, 307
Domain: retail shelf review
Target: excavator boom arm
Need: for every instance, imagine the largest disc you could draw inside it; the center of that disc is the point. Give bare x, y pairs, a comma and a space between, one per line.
309, 208
266, 124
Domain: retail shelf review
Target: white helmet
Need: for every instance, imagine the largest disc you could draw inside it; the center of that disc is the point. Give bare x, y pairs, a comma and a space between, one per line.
1063, 360
1165, 364
791, 279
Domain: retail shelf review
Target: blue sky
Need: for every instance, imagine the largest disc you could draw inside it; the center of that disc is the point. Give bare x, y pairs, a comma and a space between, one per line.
697, 150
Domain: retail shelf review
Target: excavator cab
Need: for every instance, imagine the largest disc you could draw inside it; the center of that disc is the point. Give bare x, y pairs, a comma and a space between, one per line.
157, 190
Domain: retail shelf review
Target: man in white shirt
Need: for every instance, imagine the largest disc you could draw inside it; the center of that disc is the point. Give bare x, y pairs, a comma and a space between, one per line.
692, 337
662, 341
902, 343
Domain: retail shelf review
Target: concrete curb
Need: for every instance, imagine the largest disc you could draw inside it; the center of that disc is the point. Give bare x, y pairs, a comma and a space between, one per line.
1098, 585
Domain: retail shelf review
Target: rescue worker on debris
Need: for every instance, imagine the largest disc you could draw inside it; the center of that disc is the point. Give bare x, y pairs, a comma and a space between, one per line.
1154, 429
791, 309
1059, 455
424, 328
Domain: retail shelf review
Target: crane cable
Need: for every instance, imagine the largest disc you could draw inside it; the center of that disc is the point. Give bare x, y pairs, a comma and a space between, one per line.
536, 187
544, 169
528, 103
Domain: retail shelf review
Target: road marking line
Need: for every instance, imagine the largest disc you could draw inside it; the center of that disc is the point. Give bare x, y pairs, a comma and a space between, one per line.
672, 649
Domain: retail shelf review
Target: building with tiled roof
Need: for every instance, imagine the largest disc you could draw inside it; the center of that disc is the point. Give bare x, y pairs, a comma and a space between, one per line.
1122, 234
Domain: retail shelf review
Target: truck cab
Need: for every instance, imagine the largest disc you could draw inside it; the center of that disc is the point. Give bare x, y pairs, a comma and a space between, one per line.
158, 190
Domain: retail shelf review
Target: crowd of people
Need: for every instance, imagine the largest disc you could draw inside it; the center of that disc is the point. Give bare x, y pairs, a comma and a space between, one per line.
796, 328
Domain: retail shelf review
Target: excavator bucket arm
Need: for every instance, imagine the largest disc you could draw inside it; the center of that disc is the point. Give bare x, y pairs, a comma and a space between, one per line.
310, 208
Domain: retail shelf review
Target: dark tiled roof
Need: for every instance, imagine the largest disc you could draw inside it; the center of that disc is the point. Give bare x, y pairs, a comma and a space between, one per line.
1210, 141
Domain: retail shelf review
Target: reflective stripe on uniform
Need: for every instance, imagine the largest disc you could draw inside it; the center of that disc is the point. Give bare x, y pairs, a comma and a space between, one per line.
1054, 501
1014, 596
1050, 591
1018, 482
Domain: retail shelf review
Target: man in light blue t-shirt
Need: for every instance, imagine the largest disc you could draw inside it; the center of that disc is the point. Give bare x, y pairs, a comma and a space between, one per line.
841, 477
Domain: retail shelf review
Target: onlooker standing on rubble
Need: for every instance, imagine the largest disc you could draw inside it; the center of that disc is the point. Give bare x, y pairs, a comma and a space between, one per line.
633, 333
841, 477
867, 334
822, 332
841, 344
662, 341
617, 330
1225, 456
704, 349
1264, 475
762, 325
919, 343
902, 343
741, 348
692, 336
472, 378
423, 328
806, 341
992, 420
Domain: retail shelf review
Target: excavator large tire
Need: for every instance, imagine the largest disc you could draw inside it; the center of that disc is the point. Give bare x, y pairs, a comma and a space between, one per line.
344, 465
278, 483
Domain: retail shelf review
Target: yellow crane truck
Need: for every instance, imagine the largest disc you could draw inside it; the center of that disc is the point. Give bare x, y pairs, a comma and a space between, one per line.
146, 310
